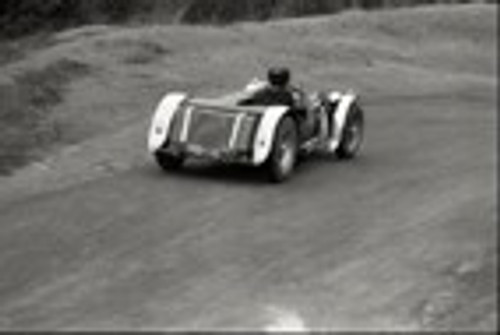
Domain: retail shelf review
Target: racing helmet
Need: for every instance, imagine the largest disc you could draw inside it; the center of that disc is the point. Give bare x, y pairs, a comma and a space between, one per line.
278, 76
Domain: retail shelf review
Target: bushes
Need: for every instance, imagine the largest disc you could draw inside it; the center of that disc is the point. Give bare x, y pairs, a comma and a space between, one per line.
20, 17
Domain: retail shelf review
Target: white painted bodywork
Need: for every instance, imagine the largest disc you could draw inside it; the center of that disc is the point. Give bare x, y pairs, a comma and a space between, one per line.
185, 124
162, 119
344, 105
235, 130
265, 133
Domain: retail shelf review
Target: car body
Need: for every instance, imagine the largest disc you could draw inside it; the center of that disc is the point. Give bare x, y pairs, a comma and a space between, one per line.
272, 136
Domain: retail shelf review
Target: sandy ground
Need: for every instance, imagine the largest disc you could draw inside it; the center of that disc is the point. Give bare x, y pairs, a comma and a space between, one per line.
402, 238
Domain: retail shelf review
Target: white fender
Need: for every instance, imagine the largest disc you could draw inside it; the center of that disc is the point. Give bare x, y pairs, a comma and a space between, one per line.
265, 133
162, 118
340, 114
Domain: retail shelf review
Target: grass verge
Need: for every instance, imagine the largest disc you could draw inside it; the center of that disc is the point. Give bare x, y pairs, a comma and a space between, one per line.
26, 126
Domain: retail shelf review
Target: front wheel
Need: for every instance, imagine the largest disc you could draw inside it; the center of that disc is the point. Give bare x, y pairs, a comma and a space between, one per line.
352, 134
169, 162
283, 158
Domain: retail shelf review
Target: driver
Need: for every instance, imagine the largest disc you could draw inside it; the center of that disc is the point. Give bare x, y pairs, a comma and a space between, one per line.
278, 91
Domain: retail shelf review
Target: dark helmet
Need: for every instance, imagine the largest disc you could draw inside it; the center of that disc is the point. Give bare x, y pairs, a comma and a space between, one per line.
278, 76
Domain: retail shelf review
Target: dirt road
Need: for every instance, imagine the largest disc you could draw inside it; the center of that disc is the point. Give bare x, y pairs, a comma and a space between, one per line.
366, 243
403, 237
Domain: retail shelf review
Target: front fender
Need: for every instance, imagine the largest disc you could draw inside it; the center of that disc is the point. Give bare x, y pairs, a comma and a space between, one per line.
162, 118
264, 137
340, 114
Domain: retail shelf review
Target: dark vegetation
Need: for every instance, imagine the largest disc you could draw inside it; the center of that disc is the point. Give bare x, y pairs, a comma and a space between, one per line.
21, 17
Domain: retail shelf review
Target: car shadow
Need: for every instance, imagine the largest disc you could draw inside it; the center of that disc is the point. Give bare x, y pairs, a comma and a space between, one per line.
220, 172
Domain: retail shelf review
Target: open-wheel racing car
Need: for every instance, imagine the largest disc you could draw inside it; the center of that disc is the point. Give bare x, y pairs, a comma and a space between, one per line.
243, 128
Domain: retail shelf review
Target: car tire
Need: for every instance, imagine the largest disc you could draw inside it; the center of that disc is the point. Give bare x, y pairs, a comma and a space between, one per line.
352, 134
169, 162
283, 157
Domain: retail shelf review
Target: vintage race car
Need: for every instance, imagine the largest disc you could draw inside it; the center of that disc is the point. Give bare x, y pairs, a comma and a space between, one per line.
271, 136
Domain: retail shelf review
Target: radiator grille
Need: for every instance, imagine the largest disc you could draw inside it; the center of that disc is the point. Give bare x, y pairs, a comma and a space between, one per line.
212, 129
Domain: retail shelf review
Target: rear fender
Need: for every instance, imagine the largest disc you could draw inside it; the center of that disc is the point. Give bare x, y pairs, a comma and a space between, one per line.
163, 116
264, 137
340, 114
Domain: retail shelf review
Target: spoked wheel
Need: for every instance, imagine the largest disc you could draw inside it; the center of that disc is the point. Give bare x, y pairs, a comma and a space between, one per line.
352, 135
169, 162
281, 163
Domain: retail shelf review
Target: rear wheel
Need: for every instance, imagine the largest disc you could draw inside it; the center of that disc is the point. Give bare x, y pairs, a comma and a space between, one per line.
169, 162
283, 158
352, 135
